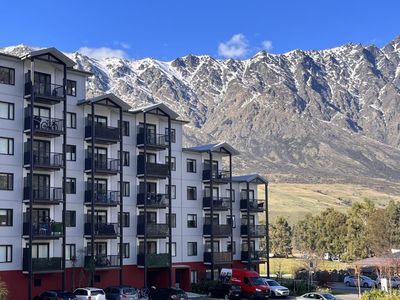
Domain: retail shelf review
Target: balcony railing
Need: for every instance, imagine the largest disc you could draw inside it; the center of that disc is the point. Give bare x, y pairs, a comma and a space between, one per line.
45, 91
103, 165
102, 262
218, 230
217, 176
254, 255
255, 205
44, 125
49, 195
153, 169
106, 230
152, 140
42, 230
153, 230
153, 200
106, 198
159, 260
254, 230
103, 133
49, 160
218, 257
219, 203
41, 265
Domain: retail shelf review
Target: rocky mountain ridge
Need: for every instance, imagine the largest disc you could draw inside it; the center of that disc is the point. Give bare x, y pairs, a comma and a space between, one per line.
305, 116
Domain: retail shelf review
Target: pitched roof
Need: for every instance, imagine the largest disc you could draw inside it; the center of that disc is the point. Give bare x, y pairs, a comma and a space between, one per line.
218, 147
161, 106
56, 53
117, 101
249, 178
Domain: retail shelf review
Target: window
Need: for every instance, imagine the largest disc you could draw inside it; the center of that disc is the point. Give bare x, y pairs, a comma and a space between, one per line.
231, 249
6, 181
191, 165
173, 162
230, 220
125, 158
70, 218
125, 219
71, 152
71, 120
173, 220
7, 75
192, 248
6, 217
173, 191
5, 253
70, 252
173, 135
232, 192
71, 88
125, 127
125, 250
7, 110
173, 248
192, 193
6, 146
70, 185
193, 276
126, 188
191, 221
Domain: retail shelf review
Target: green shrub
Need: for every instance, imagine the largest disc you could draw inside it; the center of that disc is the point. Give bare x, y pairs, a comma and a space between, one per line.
203, 286
3, 290
380, 295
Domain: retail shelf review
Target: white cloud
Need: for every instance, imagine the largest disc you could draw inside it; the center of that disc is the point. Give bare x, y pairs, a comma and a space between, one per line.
122, 44
102, 52
267, 45
236, 47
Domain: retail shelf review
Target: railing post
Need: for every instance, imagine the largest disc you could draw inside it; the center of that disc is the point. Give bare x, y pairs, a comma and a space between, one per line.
248, 226
121, 207
92, 174
145, 196
170, 203
212, 216
267, 228
64, 238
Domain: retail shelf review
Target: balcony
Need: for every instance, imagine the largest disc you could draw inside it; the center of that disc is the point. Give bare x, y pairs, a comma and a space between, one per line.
152, 141
159, 260
102, 198
102, 262
254, 230
218, 203
154, 170
102, 230
43, 161
153, 230
41, 265
45, 195
153, 200
220, 258
254, 256
46, 93
217, 177
48, 230
43, 126
103, 166
255, 205
218, 230
103, 134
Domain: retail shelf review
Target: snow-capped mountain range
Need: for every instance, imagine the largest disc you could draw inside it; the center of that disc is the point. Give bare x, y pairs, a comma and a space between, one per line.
329, 115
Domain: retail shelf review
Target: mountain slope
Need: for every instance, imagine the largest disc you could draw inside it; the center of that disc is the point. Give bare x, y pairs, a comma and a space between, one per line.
304, 116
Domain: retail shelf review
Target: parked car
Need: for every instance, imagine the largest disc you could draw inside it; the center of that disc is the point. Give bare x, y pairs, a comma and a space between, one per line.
90, 293
322, 296
275, 288
56, 295
225, 290
168, 294
120, 292
364, 281
394, 282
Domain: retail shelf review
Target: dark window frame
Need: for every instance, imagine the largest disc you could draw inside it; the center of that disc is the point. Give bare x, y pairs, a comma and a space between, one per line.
9, 253
173, 162
10, 181
125, 127
191, 162
125, 158
173, 190
9, 217
71, 153
189, 191
8, 145
71, 116
192, 223
9, 104
126, 189
173, 135
173, 217
194, 249
70, 218
126, 250
174, 253
70, 185
126, 219
71, 90
72, 254
11, 75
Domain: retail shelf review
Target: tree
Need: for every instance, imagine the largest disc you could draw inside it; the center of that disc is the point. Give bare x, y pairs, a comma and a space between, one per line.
281, 238
305, 235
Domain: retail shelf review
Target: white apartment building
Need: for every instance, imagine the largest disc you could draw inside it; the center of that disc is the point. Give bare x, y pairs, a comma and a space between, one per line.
115, 198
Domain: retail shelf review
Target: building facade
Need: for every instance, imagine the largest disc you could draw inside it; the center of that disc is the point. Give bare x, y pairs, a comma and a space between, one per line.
93, 192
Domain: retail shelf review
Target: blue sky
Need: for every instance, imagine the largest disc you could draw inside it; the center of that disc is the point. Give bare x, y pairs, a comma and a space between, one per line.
166, 29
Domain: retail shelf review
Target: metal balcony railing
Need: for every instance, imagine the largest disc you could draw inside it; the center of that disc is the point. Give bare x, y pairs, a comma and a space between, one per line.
102, 132
42, 229
152, 229
253, 230
256, 205
254, 255
102, 165
106, 230
44, 194
41, 265
153, 169
219, 203
218, 257
218, 176
218, 230
44, 125
51, 160
44, 90
102, 197
153, 200
102, 262
154, 260
152, 140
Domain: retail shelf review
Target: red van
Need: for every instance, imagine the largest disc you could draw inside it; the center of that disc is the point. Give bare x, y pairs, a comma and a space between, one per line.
252, 285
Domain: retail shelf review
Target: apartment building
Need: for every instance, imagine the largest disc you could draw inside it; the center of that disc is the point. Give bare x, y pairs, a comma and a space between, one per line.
94, 192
